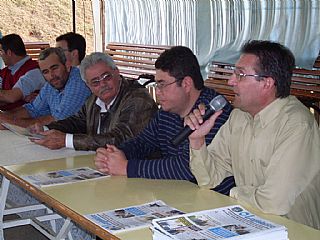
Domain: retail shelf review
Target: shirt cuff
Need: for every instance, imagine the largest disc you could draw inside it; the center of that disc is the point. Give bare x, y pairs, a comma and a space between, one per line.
132, 168
69, 141
234, 193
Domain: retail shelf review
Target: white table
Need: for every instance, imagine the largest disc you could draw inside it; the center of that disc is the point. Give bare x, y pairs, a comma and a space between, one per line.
75, 200
15, 149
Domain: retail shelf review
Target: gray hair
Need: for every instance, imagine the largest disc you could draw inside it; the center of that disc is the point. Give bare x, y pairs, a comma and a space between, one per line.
93, 59
48, 51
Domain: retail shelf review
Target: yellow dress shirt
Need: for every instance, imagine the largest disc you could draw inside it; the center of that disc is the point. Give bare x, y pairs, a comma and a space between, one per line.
274, 157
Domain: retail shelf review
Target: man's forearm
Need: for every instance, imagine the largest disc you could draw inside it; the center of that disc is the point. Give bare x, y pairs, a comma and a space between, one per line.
197, 143
10, 96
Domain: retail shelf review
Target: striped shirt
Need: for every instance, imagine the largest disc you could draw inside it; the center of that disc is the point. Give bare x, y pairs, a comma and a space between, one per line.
173, 162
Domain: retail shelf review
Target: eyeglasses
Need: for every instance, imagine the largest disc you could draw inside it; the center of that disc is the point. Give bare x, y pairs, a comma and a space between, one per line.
64, 49
161, 85
240, 76
103, 78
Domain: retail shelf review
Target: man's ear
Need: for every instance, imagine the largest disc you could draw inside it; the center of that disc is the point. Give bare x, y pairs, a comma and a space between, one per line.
187, 83
269, 82
9, 52
75, 54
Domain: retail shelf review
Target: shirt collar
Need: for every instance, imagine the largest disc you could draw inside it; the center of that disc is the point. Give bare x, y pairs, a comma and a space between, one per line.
271, 111
102, 105
16, 66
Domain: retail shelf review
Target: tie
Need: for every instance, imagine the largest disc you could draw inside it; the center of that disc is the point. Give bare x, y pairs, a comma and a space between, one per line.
104, 122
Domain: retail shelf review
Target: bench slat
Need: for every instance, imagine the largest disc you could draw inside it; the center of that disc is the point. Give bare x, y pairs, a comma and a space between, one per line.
34, 48
133, 49
133, 65
134, 60
135, 45
132, 54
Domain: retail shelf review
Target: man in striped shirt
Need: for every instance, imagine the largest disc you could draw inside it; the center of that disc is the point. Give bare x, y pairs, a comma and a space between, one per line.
179, 89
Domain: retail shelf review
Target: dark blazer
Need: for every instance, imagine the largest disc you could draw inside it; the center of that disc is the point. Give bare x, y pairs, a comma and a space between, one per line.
129, 114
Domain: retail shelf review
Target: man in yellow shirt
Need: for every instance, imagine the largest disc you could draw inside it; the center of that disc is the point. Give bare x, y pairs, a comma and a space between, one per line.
270, 143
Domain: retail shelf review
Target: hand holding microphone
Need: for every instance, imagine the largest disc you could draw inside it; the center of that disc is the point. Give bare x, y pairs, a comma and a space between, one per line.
216, 104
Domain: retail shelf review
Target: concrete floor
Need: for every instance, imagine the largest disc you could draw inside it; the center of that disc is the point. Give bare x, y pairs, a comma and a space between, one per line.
22, 232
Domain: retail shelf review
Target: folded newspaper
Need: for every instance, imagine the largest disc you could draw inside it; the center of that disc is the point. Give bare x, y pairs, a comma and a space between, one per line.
63, 176
232, 222
21, 131
133, 217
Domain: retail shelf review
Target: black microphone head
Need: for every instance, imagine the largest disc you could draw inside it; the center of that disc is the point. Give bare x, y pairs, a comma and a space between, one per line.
217, 103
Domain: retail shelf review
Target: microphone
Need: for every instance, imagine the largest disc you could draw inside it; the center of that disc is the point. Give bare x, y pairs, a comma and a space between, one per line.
216, 104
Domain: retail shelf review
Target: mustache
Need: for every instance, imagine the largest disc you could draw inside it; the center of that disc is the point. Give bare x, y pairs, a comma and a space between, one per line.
104, 89
54, 79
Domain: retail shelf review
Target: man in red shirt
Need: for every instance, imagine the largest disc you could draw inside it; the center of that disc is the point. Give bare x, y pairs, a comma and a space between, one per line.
21, 76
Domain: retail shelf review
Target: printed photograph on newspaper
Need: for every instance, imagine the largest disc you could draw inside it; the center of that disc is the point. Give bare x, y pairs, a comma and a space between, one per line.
133, 217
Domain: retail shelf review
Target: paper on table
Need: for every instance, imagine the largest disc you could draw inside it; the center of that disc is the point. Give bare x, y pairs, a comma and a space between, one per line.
133, 217
64, 176
21, 131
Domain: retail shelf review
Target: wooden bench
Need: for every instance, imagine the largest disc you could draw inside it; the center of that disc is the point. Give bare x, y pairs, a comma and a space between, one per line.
133, 60
305, 84
34, 48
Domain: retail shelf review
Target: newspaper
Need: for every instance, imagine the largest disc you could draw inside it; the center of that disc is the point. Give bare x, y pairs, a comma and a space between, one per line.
133, 217
21, 131
63, 176
233, 222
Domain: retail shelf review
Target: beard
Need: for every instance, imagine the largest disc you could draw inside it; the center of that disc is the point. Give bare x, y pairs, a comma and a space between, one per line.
57, 83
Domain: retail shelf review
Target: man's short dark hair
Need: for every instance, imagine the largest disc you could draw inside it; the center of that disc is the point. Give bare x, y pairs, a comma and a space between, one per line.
179, 62
74, 41
14, 43
48, 51
275, 60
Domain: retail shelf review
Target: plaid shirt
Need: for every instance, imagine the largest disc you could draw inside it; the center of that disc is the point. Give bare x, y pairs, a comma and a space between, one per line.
60, 104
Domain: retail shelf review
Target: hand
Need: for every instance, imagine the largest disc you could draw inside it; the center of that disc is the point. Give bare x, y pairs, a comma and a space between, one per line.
111, 160
4, 118
31, 97
36, 128
100, 160
2, 127
195, 121
53, 139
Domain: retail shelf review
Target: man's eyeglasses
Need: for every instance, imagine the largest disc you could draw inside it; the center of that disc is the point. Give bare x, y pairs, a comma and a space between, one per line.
161, 85
240, 76
103, 78
64, 49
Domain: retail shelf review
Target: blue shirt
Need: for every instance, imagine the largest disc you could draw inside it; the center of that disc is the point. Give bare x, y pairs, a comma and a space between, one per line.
60, 104
156, 137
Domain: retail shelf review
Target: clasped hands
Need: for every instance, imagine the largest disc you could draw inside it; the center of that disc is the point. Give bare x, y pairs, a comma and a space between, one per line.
111, 160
